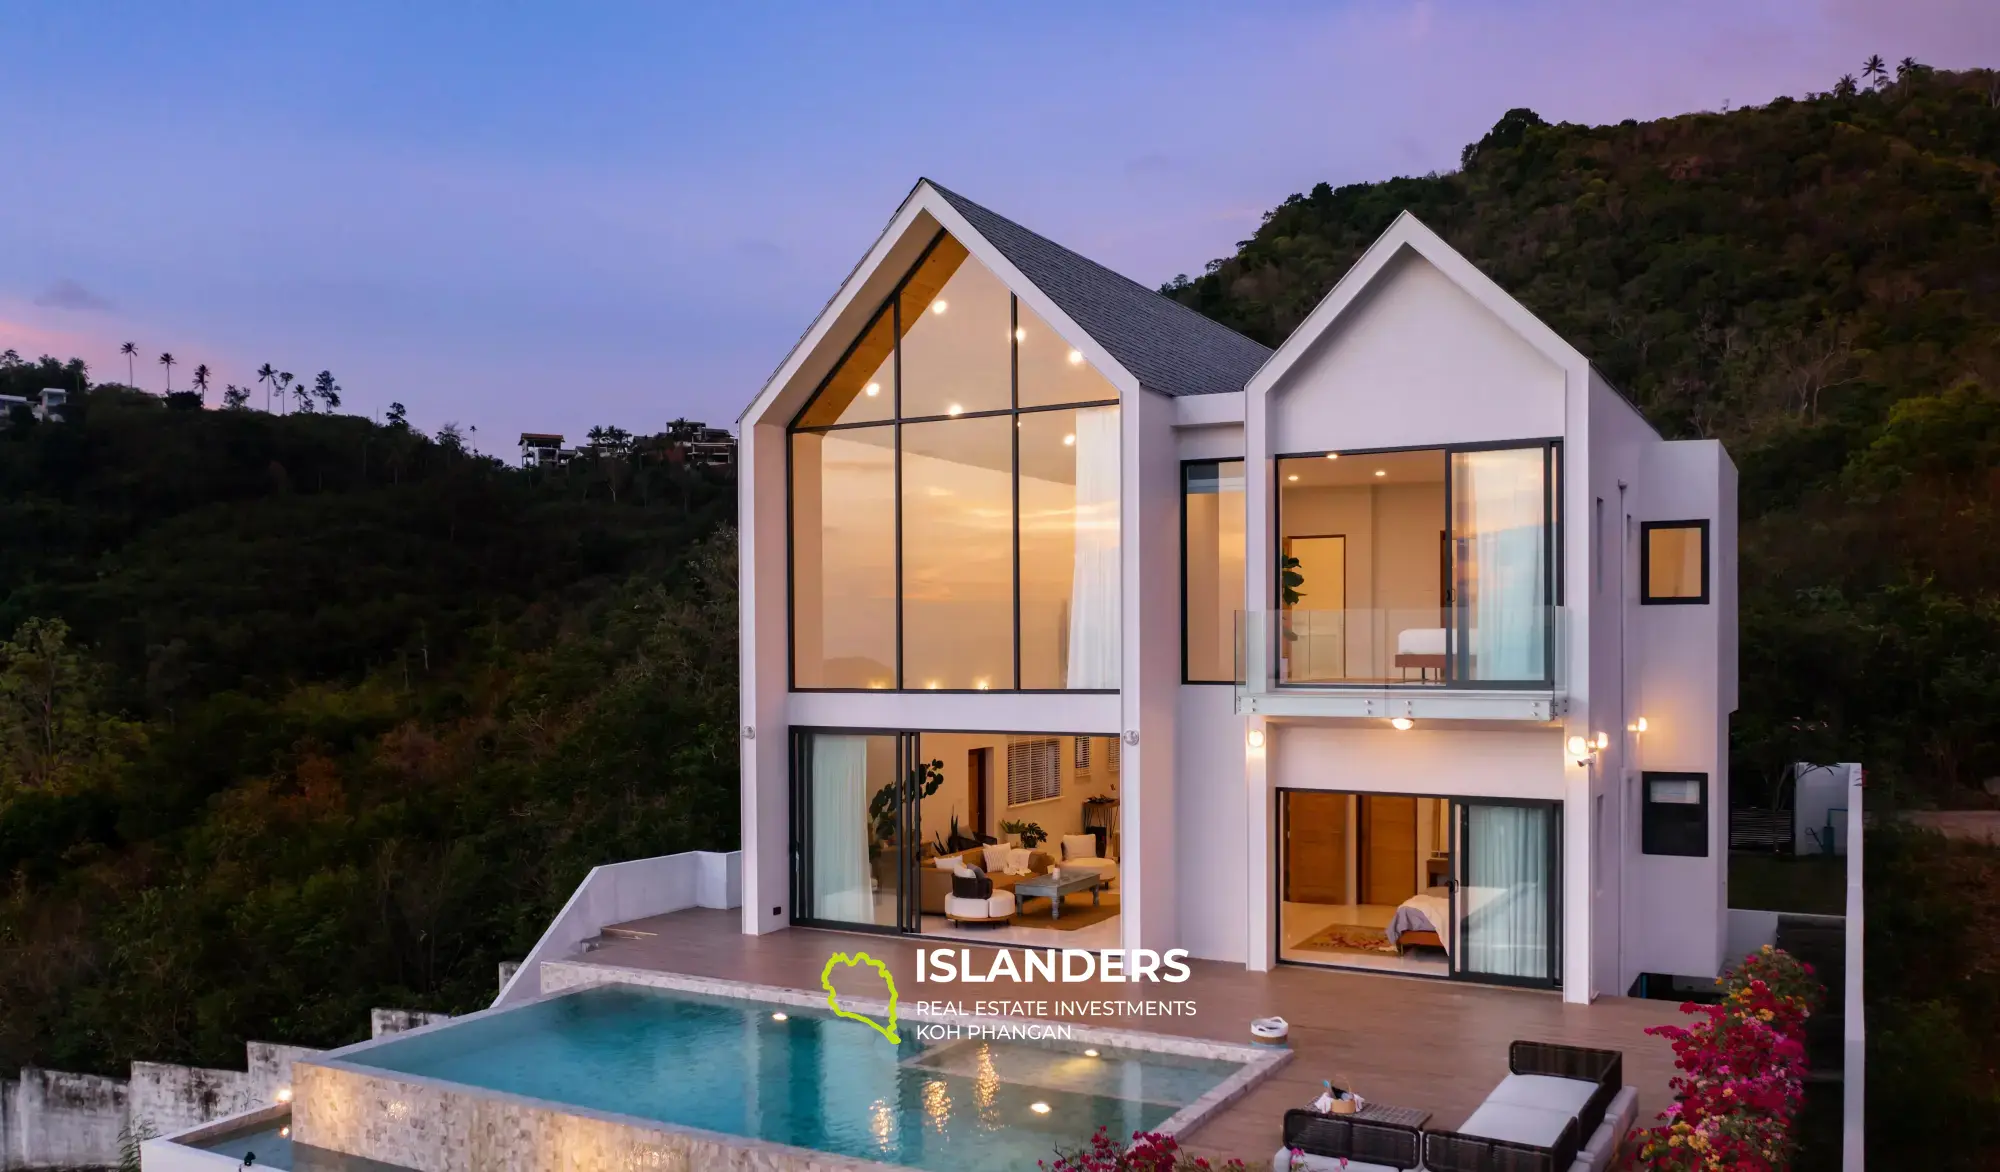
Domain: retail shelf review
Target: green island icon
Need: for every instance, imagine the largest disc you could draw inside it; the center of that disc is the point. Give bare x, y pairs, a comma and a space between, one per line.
833, 999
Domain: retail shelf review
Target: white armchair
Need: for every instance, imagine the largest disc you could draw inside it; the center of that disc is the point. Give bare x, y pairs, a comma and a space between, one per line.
1079, 853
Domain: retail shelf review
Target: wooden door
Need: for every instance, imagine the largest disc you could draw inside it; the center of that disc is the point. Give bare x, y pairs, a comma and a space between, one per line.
1388, 849
1316, 848
978, 764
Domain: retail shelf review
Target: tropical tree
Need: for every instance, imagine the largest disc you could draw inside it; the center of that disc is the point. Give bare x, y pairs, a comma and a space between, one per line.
131, 352
268, 375
233, 397
302, 397
399, 416
167, 360
327, 391
201, 382
10, 357
1907, 71
1875, 69
1845, 87
284, 384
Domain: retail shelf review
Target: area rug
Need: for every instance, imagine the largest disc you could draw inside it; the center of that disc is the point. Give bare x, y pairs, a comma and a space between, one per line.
1345, 938
1077, 912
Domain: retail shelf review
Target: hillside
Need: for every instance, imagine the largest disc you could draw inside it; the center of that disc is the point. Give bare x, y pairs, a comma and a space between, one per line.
301, 715
1814, 282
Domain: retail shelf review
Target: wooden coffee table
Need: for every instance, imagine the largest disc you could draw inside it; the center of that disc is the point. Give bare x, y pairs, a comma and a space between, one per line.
1056, 890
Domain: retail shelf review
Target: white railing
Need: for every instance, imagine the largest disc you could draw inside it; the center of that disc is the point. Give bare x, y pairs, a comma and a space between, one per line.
1854, 1056
616, 893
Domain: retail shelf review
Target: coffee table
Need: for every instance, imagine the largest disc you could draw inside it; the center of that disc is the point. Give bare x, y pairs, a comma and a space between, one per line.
1056, 890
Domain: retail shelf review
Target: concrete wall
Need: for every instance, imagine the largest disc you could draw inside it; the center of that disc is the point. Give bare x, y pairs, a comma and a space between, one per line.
618, 892
52, 1119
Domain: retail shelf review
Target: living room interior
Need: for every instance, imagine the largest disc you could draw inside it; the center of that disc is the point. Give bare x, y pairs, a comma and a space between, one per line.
1025, 809
1363, 881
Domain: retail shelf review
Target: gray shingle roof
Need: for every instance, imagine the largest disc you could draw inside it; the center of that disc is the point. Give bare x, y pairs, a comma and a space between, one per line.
1168, 347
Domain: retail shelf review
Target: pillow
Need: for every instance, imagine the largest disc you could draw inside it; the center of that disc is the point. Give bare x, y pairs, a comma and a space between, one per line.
1079, 846
946, 862
995, 856
970, 884
1020, 861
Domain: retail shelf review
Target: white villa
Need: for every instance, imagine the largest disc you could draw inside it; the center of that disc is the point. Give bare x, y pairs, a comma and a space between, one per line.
1409, 645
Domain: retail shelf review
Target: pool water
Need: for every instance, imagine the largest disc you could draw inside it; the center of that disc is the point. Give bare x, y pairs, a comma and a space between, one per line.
811, 1080
270, 1145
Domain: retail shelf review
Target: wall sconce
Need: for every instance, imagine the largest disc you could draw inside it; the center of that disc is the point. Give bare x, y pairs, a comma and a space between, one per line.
1637, 726
1256, 738
284, 1094
1603, 741
1580, 750
1402, 724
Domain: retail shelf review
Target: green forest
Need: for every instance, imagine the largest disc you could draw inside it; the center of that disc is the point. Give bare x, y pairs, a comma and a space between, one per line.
305, 714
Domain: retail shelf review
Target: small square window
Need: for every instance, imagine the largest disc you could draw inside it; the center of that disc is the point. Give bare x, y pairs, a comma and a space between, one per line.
1673, 818
1673, 562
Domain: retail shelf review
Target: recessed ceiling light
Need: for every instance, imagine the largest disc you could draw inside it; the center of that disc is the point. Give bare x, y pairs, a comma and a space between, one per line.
1039, 1108
1381, 472
873, 389
780, 1017
1402, 723
1020, 335
1090, 1053
1069, 441
1333, 455
1076, 358
1293, 476
938, 306
954, 409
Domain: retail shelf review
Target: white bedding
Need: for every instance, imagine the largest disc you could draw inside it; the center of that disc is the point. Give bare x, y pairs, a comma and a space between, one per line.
1421, 641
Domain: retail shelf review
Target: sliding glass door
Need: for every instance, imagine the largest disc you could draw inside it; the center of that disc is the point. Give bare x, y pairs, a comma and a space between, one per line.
854, 824
1505, 891
1502, 564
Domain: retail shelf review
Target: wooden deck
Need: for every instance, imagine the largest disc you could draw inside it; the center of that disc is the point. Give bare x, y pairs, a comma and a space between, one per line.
1402, 1040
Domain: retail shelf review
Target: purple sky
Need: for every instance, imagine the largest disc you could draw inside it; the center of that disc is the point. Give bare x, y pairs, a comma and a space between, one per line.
549, 216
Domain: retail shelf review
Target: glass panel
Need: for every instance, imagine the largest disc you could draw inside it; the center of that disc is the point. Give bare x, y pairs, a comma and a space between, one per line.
863, 388
1052, 370
958, 553
1503, 900
1069, 549
854, 841
844, 558
1500, 530
956, 321
1213, 582
1364, 583
1677, 792
1674, 562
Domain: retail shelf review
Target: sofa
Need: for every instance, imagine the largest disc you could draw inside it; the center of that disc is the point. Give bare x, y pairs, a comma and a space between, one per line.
1341, 1143
934, 877
1560, 1109
1081, 852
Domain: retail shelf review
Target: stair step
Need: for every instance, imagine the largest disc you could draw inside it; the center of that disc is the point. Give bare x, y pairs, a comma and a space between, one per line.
627, 932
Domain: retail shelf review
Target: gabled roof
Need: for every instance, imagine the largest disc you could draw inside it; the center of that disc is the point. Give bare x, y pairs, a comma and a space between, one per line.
1168, 347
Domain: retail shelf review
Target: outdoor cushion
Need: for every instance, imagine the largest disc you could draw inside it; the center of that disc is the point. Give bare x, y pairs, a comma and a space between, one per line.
1567, 1095
1000, 903
1596, 1155
1539, 1126
1307, 1162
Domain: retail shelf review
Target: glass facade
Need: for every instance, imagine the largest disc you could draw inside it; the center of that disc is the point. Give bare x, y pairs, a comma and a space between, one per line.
1212, 519
955, 500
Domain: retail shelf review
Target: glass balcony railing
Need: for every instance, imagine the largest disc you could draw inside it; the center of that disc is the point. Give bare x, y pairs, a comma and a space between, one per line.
1518, 648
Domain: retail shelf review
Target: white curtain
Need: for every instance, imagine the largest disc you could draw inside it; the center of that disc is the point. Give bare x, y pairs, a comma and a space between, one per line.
1093, 599
1507, 891
1498, 511
840, 830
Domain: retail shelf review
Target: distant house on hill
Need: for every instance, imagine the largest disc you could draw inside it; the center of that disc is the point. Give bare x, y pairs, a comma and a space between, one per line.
539, 448
45, 407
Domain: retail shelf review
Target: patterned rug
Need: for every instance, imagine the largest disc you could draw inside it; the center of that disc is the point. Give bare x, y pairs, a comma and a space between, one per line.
1348, 938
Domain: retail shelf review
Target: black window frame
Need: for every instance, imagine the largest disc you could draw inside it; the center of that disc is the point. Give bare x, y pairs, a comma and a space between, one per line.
1646, 597
1187, 676
892, 307
1654, 838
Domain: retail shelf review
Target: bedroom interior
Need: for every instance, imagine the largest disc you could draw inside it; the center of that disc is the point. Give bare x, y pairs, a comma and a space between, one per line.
1363, 881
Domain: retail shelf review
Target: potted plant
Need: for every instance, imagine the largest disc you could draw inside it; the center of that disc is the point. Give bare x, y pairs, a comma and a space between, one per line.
1031, 833
922, 782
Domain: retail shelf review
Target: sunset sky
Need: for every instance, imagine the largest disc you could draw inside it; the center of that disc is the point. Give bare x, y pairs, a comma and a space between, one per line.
543, 216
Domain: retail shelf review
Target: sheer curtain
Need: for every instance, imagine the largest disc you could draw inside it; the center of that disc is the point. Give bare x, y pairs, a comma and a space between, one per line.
1507, 891
840, 830
1498, 521
1093, 601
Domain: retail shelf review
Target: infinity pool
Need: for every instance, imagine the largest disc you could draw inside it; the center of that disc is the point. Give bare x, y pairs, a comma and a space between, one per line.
809, 1080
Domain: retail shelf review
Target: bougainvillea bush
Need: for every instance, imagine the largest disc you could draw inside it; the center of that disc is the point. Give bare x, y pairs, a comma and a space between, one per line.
1743, 1067
1150, 1152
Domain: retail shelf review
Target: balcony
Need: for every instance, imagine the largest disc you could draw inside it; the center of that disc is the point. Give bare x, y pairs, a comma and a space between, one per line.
1494, 663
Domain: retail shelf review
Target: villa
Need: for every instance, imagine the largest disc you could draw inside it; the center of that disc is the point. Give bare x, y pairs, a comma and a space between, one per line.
1407, 646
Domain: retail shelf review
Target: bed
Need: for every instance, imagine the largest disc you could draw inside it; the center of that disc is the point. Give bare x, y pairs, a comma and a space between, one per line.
1424, 648
1422, 919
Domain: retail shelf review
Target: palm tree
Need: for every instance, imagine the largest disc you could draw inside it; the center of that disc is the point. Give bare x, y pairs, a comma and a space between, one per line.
268, 375
284, 381
130, 350
201, 382
167, 360
1874, 69
326, 390
1844, 88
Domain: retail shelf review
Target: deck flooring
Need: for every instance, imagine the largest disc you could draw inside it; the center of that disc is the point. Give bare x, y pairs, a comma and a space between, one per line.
1403, 1040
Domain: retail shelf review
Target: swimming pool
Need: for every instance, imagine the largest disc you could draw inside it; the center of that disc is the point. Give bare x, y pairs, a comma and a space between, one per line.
798, 1076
